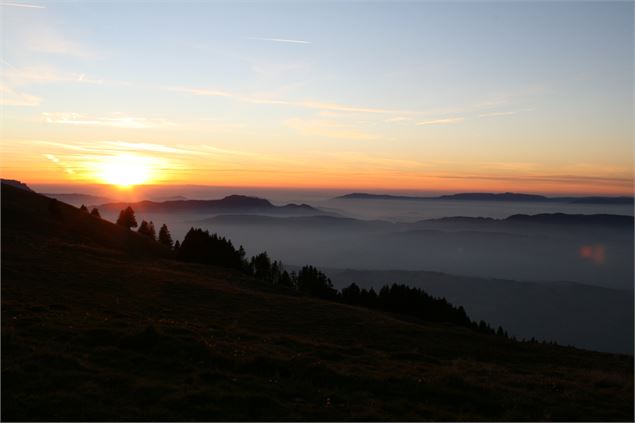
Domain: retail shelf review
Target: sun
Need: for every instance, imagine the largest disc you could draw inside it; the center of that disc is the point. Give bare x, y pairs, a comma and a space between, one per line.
125, 170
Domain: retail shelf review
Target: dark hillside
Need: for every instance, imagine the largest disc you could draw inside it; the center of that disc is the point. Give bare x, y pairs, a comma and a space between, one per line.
91, 331
31, 217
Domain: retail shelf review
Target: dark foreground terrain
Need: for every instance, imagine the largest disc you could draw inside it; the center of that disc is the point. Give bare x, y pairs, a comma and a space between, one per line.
101, 324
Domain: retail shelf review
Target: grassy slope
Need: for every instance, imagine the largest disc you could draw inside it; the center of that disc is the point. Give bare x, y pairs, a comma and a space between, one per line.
89, 332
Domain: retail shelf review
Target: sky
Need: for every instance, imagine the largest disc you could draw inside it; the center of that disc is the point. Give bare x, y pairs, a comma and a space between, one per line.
420, 96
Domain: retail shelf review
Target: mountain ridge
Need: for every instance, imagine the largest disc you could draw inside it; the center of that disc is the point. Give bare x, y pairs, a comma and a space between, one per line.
229, 203
507, 196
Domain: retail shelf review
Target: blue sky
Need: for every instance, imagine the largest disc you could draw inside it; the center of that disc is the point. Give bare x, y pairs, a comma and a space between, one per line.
387, 94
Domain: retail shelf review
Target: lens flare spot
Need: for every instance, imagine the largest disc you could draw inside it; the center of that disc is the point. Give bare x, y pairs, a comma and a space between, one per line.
594, 253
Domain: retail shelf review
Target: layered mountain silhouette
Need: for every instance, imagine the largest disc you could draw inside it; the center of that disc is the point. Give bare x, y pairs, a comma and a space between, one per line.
547, 218
327, 221
229, 204
508, 196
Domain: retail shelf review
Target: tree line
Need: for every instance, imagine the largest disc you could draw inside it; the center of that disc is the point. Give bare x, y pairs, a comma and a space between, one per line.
200, 246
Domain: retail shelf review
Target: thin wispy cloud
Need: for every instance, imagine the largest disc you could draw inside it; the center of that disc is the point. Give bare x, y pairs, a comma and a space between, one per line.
43, 37
117, 120
508, 113
58, 44
446, 121
46, 74
279, 40
203, 92
372, 162
306, 104
68, 169
557, 179
397, 119
26, 5
344, 108
148, 147
11, 97
329, 129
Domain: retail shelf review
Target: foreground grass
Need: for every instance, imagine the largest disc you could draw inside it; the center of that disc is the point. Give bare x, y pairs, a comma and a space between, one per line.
109, 339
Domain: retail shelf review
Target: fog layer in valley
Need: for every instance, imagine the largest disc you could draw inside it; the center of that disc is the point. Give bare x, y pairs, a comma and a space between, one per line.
403, 248
569, 313
594, 254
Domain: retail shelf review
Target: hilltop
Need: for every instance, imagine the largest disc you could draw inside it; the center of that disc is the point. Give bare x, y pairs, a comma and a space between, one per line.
16, 184
100, 323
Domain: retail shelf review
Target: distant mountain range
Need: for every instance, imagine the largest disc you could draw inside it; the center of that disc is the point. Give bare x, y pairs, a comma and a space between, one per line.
332, 222
508, 196
318, 222
549, 218
229, 204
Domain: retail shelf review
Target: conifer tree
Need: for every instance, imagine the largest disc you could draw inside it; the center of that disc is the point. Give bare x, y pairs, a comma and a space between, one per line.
127, 218
147, 229
152, 233
165, 237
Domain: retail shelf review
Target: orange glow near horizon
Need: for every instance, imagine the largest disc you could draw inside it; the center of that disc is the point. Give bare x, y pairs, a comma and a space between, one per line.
123, 165
126, 172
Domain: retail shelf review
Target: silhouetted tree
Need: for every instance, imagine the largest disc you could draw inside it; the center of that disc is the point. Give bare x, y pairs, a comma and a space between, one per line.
368, 298
201, 247
164, 236
177, 245
147, 229
143, 227
84, 208
95, 212
484, 327
313, 282
351, 294
276, 272
261, 267
286, 280
246, 267
402, 299
152, 233
127, 218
